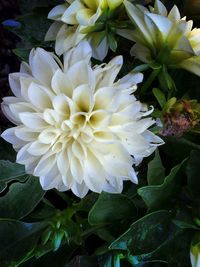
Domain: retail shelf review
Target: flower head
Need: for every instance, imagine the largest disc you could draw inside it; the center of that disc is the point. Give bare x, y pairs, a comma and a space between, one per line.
76, 126
94, 20
164, 37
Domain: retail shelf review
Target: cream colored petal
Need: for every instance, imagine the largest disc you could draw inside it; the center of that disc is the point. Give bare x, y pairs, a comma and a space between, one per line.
25, 68
103, 98
79, 150
84, 15
174, 14
76, 169
69, 15
61, 83
85, 76
20, 107
95, 174
53, 31
81, 52
49, 135
100, 119
14, 118
105, 137
43, 65
83, 98
163, 24
63, 162
51, 179
57, 12
38, 149
14, 82
10, 136
80, 190
39, 96
52, 117
159, 8
26, 134
137, 17
61, 105
110, 72
45, 164
32, 120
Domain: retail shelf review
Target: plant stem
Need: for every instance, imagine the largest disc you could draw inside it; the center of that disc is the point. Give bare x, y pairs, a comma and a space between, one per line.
150, 80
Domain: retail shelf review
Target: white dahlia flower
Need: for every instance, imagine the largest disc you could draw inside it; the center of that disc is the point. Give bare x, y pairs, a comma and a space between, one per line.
98, 21
76, 126
164, 37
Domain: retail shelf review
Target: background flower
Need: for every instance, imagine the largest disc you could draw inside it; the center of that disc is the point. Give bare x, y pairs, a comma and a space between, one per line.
76, 127
164, 37
97, 21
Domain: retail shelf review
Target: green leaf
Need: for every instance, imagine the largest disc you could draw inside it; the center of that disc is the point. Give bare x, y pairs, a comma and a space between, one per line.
23, 54
112, 41
146, 234
10, 172
104, 210
157, 196
21, 198
154, 238
6, 151
177, 149
37, 3
18, 240
156, 171
192, 171
159, 95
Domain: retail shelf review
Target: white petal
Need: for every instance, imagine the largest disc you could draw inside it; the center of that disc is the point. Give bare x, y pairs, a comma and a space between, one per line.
39, 96
57, 12
103, 98
69, 15
163, 24
174, 14
159, 8
9, 136
85, 76
63, 162
38, 149
76, 169
83, 51
100, 119
33, 120
82, 96
84, 15
14, 82
43, 65
49, 135
61, 83
9, 114
26, 134
52, 117
51, 179
45, 164
110, 72
53, 31
80, 190
95, 175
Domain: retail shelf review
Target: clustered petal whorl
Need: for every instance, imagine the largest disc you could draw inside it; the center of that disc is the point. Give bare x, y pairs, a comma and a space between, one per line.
77, 128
